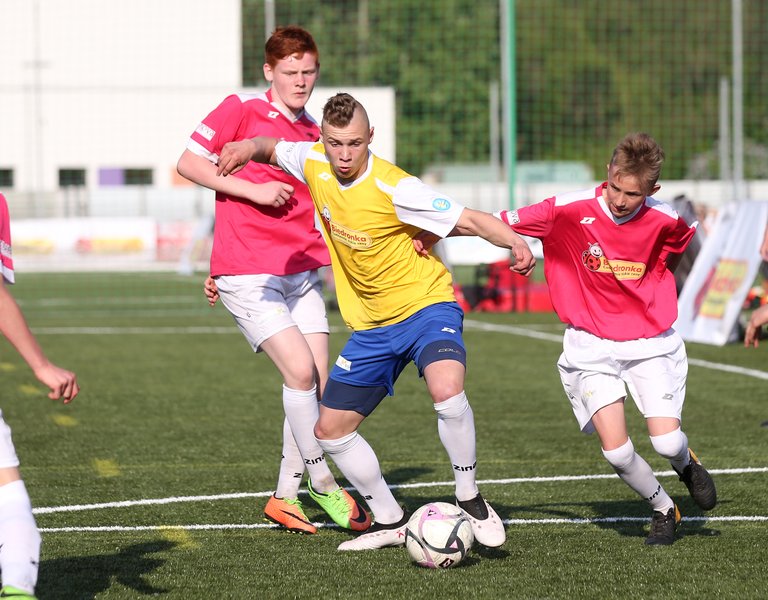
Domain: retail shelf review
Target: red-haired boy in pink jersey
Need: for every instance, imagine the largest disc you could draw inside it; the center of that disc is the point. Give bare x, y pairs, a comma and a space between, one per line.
264, 265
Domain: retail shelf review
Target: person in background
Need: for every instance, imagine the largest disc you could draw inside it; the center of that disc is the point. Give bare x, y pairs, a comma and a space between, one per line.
19, 537
609, 256
400, 305
759, 317
755, 324
264, 266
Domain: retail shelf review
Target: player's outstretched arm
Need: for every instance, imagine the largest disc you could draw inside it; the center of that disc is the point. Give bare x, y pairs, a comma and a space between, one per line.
201, 171
13, 325
488, 227
235, 155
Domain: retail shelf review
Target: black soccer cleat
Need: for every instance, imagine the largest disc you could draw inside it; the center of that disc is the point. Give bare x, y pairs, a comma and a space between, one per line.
699, 483
663, 527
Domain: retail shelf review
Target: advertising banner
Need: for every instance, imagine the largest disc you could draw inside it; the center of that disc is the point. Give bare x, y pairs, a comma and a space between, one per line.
711, 299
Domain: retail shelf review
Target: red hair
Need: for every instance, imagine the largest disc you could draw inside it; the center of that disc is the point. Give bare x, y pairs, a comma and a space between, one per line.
287, 41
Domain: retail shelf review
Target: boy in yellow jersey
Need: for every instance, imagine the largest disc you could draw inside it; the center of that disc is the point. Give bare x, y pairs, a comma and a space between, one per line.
399, 304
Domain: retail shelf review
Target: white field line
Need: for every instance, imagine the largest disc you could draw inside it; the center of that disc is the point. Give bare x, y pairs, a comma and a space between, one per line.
515, 480
225, 526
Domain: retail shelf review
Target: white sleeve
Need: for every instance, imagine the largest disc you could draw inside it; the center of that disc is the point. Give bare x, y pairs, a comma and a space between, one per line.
419, 205
291, 157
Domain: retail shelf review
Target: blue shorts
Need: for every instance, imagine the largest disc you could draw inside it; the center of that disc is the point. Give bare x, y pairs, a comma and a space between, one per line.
374, 358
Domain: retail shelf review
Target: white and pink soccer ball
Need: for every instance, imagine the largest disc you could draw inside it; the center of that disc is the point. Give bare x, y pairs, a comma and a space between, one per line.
438, 536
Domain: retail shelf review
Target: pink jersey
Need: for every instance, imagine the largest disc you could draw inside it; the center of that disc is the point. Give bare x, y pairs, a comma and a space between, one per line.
6, 257
607, 276
250, 239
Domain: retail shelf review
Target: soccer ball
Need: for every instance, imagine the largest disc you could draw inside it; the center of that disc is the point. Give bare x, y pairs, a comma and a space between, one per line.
438, 536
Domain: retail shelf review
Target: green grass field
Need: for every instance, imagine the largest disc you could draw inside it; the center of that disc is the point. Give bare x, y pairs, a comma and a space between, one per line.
153, 481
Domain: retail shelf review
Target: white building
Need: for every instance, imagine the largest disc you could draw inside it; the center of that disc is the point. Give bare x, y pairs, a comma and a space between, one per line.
97, 101
103, 92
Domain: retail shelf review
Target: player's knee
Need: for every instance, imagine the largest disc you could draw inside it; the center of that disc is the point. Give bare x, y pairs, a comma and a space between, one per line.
445, 390
329, 427
670, 445
300, 378
622, 457
322, 432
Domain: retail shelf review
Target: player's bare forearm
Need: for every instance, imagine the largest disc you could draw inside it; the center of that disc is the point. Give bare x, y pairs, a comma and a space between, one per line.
203, 172
235, 155
498, 233
13, 325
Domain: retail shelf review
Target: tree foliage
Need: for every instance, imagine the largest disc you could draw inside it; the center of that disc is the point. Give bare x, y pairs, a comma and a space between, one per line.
587, 71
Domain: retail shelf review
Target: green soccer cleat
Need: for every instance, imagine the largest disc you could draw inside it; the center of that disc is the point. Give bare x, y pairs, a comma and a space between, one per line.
342, 508
12, 592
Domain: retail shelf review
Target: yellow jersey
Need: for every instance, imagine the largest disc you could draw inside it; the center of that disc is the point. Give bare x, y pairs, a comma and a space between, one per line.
369, 225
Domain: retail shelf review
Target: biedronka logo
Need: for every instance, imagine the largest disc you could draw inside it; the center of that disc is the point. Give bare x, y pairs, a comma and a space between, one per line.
594, 260
348, 237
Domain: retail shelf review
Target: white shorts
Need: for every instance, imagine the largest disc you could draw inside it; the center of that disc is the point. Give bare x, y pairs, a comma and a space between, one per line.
263, 305
596, 372
8, 456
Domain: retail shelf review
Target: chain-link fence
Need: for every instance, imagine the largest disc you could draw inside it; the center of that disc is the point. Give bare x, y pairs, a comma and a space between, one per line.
586, 72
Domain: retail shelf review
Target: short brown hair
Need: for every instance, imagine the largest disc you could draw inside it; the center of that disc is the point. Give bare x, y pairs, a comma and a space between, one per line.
639, 155
287, 41
340, 109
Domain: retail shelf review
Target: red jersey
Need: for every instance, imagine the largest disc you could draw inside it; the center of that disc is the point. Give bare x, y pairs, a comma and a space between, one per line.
606, 275
249, 239
6, 256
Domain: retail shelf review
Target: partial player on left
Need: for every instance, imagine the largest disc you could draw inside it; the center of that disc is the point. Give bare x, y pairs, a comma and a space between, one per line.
19, 537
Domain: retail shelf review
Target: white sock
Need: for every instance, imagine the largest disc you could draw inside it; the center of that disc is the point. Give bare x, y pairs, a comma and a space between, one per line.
456, 428
291, 466
356, 459
19, 538
637, 474
674, 447
302, 413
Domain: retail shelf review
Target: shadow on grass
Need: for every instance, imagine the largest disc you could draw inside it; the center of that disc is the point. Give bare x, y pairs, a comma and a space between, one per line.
83, 577
607, 511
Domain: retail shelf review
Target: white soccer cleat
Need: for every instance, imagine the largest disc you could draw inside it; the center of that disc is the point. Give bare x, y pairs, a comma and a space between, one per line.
379, 535
486, 524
